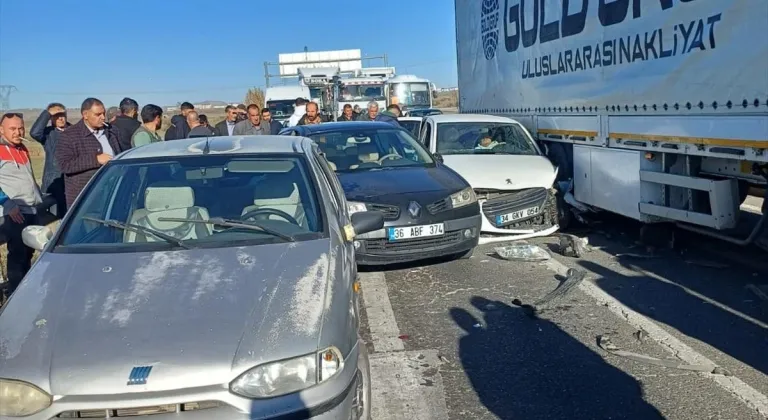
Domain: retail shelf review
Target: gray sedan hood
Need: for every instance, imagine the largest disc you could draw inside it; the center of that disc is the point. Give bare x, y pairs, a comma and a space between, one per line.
79, 323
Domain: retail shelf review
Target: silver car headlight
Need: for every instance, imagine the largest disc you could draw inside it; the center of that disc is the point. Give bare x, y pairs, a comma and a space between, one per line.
288, 376
355, 207
463, 198
20, 399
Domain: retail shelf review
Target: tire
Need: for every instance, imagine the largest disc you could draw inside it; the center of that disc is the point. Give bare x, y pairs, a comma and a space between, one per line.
364, 391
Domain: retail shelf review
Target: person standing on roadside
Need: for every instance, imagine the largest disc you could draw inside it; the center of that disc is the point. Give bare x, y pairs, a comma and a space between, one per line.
48, 136
127, 122
373, 112
17, 181
227, 127
85, 147
251, 126
179, 128
204, 122
312, 115
152, 119
347, 113
196, 128
269, 125
112, 114
299, 109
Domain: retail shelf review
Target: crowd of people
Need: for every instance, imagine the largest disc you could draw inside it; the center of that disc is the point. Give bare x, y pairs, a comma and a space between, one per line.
74, 152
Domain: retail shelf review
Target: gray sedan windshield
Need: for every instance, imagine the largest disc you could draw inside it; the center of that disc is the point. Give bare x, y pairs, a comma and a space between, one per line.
198, 201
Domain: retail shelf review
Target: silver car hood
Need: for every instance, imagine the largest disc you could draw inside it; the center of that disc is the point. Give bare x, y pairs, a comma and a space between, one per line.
79, 323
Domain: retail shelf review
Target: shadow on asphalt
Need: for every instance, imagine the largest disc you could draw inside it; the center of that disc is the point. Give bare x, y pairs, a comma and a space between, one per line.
674, 303
501, 352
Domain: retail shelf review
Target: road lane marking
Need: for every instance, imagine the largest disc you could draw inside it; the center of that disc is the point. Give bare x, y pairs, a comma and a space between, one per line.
407, 385
381, 318
750, 396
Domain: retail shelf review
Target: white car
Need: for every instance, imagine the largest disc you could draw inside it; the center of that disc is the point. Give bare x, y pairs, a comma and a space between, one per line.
513, 179
412, 124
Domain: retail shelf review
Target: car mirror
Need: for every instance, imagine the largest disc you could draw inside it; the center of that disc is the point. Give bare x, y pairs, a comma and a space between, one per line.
367, 221
438, 157
36, 237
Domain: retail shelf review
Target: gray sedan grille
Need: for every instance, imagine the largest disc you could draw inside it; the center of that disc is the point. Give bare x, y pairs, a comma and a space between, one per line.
138, 411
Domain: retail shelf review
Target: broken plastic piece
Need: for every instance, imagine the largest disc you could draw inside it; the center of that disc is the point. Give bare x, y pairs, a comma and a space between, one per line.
522, 251
573, 246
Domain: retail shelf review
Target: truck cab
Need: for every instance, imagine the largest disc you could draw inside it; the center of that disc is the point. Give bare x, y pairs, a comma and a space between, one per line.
281, 99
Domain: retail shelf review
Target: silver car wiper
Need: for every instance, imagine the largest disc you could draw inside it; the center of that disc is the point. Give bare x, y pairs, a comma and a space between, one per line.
232, 223
139, 229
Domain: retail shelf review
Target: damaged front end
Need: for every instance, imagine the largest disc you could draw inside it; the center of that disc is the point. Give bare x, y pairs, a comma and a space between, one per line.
517, 214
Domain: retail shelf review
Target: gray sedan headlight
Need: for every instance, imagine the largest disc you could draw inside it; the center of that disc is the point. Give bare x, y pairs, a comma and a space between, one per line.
463, 198
288, 376
355, 207
20, 399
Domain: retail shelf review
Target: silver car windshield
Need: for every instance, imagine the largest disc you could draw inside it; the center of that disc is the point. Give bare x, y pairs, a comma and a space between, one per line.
468, 138
200, 201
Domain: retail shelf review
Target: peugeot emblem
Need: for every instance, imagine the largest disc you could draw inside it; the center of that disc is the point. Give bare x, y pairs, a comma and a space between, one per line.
509, 181
414, 208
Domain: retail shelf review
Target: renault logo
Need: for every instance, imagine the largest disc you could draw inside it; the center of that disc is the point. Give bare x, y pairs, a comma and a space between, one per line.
414, 208
139, 375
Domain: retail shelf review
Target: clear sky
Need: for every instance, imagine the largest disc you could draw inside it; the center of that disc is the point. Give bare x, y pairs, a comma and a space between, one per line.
168, 51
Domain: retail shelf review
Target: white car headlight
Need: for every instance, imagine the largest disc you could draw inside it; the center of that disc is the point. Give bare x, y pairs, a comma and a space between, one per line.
355, 207
20, 399
288, 376
462, 198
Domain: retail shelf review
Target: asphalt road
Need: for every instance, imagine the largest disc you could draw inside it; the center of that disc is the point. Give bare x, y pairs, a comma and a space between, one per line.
450, 340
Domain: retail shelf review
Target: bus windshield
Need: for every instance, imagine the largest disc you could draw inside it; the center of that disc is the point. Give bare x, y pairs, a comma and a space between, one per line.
411, 94
362, 92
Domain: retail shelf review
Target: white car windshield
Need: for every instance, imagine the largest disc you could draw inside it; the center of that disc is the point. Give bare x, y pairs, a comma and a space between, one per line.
466, 138
199, 200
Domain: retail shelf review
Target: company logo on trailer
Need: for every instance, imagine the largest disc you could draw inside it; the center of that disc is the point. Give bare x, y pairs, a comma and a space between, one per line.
489, 27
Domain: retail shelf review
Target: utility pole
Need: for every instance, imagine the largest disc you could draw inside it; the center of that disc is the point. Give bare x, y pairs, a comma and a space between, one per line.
5, 96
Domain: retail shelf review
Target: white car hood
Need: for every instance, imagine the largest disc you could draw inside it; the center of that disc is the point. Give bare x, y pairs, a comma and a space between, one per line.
503, 172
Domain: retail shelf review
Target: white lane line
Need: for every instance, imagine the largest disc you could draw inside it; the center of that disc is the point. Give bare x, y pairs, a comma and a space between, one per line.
381, 317
741, 390
407, 386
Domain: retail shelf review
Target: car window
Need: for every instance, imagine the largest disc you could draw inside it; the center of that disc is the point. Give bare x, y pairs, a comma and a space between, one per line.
176, 196
428, 136
483, 138
368, 149
413, 126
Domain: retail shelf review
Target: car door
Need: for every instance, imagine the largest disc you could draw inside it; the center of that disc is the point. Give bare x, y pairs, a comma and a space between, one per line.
427, 130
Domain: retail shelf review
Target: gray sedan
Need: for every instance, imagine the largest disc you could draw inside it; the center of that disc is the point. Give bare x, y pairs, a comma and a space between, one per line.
198, 279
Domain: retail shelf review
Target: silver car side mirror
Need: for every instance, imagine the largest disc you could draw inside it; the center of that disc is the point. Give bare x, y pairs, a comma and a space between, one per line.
36, 237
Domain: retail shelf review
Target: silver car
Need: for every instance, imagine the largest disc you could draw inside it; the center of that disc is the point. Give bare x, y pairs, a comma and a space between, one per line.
197, 279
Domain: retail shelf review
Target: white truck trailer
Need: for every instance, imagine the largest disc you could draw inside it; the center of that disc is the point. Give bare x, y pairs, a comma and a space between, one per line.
655, 109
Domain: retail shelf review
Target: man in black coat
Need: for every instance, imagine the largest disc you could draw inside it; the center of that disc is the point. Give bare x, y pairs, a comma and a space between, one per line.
127, 122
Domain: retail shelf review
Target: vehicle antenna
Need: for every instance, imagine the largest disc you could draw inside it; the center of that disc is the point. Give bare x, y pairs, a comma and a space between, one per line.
207, 148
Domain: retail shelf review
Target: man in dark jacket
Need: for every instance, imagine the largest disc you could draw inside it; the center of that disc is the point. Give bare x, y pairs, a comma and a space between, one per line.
127, 122
85, 147
390, 115
273, 126
48, 136
347, 114
227, 127
179, 128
